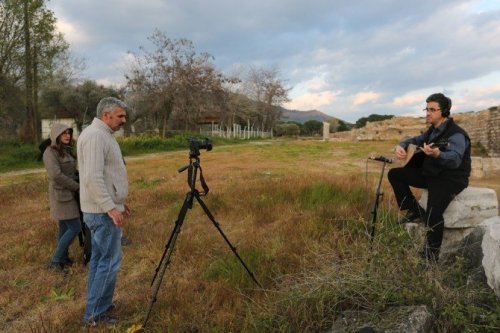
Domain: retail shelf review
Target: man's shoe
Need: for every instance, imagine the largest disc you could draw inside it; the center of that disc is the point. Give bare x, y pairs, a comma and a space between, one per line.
56, 266
429, 255
68, 262
103, 320
111, 308
125, 241
411, 216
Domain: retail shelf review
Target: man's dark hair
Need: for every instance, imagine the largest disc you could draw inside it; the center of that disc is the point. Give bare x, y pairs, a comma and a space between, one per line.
443, 101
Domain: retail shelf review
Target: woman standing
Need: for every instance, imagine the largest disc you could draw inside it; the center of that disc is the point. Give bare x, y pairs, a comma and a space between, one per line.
60, 163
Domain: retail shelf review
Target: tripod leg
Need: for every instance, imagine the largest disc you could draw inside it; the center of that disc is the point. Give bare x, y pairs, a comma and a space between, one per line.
165, 259
216, 224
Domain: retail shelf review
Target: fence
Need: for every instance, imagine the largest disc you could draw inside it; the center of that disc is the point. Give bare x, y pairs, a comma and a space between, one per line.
236, 131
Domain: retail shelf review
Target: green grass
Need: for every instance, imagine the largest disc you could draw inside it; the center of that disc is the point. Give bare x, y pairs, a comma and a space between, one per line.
298, 218
18, 156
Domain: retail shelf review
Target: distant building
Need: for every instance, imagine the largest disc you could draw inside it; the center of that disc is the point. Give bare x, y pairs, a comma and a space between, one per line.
47, 125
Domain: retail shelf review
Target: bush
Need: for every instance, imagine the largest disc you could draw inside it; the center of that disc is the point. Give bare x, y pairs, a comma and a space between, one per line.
288, 129
17, 156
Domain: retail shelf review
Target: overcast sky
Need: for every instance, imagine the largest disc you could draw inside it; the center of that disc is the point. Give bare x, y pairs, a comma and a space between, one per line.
346, 58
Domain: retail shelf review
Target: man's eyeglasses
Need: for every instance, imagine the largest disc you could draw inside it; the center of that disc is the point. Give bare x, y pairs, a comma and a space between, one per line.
431, 110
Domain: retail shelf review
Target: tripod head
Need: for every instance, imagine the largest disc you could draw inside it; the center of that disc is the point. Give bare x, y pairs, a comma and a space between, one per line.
194, 165
195, 145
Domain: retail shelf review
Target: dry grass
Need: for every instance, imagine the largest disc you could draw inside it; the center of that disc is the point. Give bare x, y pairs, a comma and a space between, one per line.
295, 210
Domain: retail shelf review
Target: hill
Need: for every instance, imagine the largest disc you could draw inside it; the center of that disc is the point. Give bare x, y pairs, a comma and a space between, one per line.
303, 116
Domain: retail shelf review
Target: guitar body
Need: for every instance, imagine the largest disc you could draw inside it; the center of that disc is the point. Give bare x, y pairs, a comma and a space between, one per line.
415, 157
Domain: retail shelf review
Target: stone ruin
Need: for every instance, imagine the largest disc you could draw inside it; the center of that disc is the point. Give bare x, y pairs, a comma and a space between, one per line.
483, 128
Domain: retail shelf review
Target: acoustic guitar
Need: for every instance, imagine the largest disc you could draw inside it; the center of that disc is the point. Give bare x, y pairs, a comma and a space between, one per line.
415, 156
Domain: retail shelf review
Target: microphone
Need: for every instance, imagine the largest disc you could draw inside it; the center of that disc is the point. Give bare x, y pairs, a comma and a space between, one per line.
381, 159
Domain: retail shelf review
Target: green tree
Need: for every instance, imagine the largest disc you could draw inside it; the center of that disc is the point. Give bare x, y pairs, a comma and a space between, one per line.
312, 127
343, 126
78, 102
287, 129
361, 122
28, 44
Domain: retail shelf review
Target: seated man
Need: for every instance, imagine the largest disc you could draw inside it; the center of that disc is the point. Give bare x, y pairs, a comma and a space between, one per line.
442, 165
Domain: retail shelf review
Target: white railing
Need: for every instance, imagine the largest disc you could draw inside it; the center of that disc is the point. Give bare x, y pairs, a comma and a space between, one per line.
236, 131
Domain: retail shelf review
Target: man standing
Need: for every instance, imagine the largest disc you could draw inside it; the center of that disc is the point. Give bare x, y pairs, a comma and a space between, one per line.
103, 191
442, 166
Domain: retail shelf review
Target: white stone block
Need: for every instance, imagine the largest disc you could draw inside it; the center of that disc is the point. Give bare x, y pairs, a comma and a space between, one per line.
454, 243
491, 253
469, 208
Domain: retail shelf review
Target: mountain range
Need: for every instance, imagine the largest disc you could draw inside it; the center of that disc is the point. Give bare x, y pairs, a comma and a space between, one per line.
303, 116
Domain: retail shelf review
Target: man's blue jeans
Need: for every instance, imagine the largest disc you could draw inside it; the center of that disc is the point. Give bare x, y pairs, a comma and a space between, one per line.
104, 264
68, 230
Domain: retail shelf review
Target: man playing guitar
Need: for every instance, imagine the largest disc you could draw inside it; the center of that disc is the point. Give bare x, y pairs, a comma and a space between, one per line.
443, 168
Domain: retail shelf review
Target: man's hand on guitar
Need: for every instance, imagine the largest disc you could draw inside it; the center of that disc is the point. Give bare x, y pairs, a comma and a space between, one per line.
400, 152
430, 150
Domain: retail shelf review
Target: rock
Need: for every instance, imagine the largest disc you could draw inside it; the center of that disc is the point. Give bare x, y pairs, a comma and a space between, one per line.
408, 319
419, 320
491, 253
456, 242
469, 208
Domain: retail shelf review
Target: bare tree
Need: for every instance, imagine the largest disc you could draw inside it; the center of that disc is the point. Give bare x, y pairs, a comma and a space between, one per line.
267, 90
176, 84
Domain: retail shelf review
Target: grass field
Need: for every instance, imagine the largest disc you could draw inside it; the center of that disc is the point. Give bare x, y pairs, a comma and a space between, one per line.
298, 212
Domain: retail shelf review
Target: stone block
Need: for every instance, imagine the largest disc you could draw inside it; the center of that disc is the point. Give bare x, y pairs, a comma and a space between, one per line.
469, 208
491, 253
455, 242
477, 170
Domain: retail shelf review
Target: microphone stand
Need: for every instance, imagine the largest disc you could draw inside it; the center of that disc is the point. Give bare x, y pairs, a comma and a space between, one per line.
378, 195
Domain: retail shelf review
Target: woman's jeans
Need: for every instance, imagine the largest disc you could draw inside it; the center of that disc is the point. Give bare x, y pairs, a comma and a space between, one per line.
68, 230
104, 264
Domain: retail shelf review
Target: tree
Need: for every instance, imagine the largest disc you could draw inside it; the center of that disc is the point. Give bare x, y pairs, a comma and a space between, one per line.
287, 129
78, 102
361, 122
343, 126
28, 44
313, 127
268, 91
177, 85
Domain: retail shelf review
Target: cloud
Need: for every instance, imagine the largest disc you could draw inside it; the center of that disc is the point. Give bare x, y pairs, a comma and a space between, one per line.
346, 58
72, 34
365, 97
409, 99
312, 101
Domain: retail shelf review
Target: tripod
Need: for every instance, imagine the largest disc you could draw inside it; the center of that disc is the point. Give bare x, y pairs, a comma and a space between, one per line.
194, 165
378, 194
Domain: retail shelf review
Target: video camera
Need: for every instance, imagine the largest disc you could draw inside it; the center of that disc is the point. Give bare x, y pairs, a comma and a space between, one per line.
196, 144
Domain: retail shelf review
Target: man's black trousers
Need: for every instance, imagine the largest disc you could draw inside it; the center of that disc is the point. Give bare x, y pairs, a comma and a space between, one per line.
440, 193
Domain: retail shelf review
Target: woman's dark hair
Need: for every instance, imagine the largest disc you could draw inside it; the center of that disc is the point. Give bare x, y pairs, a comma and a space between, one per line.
443, 101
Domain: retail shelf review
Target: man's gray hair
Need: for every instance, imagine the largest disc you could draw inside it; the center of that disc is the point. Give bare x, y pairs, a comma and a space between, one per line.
108, 103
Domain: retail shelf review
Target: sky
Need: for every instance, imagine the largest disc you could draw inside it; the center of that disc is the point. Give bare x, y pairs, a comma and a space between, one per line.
345, 58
